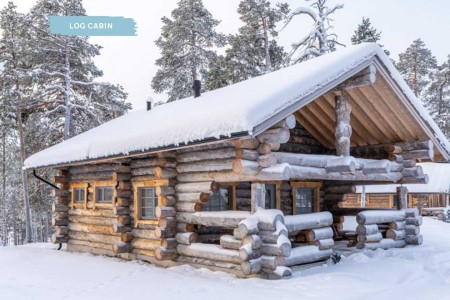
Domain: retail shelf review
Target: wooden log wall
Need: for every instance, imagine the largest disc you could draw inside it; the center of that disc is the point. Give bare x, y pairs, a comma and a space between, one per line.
98, 228
388, 229
61, 208
301, 141
155, 239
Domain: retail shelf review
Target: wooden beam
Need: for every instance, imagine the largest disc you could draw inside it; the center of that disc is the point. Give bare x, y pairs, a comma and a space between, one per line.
367, 76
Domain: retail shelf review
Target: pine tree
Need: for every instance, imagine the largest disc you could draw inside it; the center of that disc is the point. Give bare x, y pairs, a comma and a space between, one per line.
254, 50
66, 73
365, 33
320, 40
415, 65
186, 44
437, 96
17, 88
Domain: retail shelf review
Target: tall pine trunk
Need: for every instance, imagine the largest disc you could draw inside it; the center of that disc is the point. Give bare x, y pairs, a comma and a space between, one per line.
26, 198
267, 46
68, 114
3, 195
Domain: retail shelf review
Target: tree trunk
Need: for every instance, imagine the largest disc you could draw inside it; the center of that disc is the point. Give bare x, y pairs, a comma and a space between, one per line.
26, 199
68, 114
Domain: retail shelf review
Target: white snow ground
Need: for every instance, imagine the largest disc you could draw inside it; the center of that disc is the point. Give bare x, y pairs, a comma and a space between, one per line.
39, 272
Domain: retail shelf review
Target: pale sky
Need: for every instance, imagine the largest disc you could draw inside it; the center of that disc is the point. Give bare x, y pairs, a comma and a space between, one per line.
129, 61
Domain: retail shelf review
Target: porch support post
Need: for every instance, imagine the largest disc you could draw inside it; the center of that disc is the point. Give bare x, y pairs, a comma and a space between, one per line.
402, 197
343, 128
258, 196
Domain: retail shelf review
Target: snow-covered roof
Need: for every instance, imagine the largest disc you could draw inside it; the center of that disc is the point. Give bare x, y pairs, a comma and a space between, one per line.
439, 181
241, 108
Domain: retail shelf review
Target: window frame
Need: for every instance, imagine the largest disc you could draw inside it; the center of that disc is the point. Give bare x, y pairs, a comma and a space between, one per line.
75, 186
139, 194
137, 186
311, 185
102, 184
232, 191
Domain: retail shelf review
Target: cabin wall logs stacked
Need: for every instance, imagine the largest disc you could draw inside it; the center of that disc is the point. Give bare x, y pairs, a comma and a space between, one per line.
155, 238
98, 227
388, 229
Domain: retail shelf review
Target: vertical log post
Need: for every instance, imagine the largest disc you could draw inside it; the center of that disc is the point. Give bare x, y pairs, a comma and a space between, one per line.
258, 196
402, 197
343, 128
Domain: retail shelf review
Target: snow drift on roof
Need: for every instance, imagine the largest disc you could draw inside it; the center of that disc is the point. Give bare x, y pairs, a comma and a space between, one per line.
234, 109
439, 181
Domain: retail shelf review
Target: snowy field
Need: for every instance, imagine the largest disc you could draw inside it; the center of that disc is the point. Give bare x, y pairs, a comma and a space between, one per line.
39, 272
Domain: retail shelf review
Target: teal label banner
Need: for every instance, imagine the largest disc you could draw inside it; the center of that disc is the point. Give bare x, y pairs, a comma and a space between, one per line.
92, 26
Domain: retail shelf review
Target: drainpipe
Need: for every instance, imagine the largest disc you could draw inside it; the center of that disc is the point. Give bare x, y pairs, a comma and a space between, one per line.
52, 185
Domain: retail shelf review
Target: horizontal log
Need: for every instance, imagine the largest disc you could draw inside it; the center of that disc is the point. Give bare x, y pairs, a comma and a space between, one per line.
414, 239
117, 176
145, 244
288, 123
164, 191
59, 207
306, 254
254, 240
278, 135
229, 242
206, 166
267, 160
409, 163
246, 252
253, 266
108, 167
166, 254
271, 262
376, 237
144, 233
91, 228
96, 176
419, 154
209, 263
126, 237
165, 211
319, 234
93, 245
224, 219
184, 227
415, 180
309, 221
417, 221
121, 211
399, 225
384, 244
375, 167
187, 238
165, 232
223, 153
395, 234
189, 207
340, 189
340, 164
195, 187
211, 252
367, 229
375, 217
148, 253
104, 221
148, 162
124, 220
95, 237
165, 222
169, 243
59, 239
248, 143
93, 213
413, 172
324, 244
60, 222
282, 248
361, 79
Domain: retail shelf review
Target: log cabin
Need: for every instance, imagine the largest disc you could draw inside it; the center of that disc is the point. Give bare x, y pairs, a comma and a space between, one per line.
430, 197
248, 178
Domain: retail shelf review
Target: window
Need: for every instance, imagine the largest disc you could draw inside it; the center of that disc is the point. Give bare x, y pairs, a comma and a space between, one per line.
306, 197
104, 194
146, 199
270, 196
147, 203
220, 200
79, 195
304, 201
